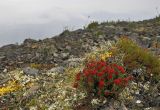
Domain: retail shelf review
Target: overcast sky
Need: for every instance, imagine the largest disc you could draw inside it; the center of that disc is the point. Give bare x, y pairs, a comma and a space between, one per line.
38, 19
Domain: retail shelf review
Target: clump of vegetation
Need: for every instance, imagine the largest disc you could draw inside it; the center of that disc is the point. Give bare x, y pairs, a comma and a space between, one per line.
92, 25
138, 57
65, 32
100, 78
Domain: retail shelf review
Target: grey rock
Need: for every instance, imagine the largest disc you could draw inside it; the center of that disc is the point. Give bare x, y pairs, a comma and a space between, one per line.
73, 62
55, 54
59, 69
137, 71
101, 36
123, 107
152, 108
64, 55
68, 48
116, 104
157, 100
146, 42
2, 57
158, 38
30, 71
5, 70
111, 26
139, 103
75, 59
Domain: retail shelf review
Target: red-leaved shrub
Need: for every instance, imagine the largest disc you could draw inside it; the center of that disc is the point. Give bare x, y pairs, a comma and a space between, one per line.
101, 78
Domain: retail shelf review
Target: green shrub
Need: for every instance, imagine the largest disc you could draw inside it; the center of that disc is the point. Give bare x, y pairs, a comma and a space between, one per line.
137, 57
65, 32
92, 25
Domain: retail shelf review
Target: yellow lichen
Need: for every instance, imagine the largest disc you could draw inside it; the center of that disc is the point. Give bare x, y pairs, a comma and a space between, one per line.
106, 55
98, 55
10, 87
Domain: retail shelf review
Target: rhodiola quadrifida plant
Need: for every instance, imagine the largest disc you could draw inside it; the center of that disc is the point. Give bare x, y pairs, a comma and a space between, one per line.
102, 79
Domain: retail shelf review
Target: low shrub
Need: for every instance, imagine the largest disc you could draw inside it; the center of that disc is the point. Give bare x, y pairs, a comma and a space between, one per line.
92, 25
102, 79
137, 57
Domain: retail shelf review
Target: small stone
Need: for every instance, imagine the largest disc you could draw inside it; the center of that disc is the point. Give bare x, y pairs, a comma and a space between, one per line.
146, 87
146, 38
116, 104
2, 57
138, 101
158, 38
59, 69
140, 105
95, 101
30, 71
72, 62
33, 108
137, 92
55, 54
101, 36
123, 107
5, 70
68, 47
149, 108
137, 72
65, 55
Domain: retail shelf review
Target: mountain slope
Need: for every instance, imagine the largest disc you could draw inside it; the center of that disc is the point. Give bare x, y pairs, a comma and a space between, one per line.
74, 44
40, 74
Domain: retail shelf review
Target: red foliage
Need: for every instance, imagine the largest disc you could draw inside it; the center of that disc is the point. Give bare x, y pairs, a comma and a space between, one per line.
121, 69
118, 81
107, 93
78, 76
100, 76
101, 83
75, 85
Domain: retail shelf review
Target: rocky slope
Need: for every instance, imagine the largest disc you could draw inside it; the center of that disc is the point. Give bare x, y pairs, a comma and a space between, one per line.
68, 44
37, 70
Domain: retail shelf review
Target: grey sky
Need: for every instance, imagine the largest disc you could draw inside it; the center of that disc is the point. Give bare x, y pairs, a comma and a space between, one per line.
38, 19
